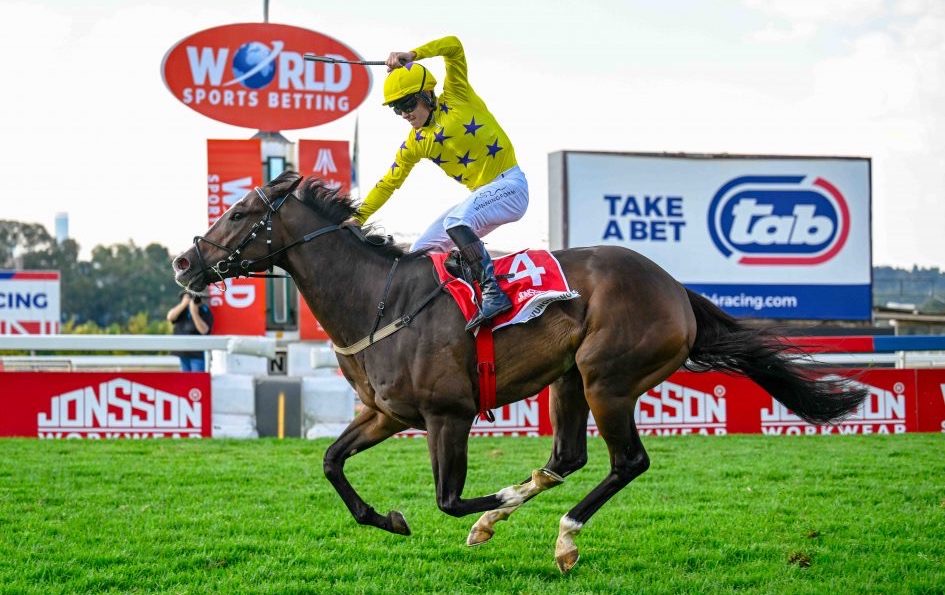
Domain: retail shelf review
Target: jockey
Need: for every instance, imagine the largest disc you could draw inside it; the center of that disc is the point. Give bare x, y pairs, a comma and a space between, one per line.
457, 132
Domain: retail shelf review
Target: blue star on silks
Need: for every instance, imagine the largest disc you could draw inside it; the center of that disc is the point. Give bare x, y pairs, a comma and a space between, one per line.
419, 136
465, 160
393, 166
403, 146
440, 136
437, 159
494, 148
472, 127
444, 108
459, 178
408, 65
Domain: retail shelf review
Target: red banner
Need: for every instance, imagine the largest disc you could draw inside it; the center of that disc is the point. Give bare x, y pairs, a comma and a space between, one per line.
716, 403
931, 406
105, 404
309, 328
713, 403
328, 160
234, 168
241, 309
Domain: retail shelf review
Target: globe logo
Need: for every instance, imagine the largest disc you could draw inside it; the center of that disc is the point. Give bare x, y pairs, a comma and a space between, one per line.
254, 64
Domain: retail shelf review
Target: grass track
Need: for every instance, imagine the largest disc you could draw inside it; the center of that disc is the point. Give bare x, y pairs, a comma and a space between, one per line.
713, 514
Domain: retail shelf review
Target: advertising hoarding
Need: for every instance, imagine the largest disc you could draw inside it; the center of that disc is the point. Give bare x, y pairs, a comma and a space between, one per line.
105, 404
234, 168
29, 302
328, 160
254, 75
765, 237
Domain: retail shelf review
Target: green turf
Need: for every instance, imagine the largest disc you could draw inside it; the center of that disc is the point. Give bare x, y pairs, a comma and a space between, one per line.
824, 514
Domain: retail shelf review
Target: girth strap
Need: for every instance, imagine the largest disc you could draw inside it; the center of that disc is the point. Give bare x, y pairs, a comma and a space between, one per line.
391, 328
485, 365
382, 304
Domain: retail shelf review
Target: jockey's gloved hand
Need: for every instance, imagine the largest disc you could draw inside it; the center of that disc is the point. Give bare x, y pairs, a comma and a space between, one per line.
398, 59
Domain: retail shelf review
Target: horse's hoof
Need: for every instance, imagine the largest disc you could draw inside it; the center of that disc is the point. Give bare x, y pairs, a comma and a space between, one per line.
567, 560
546, 479
398, 524
479, 535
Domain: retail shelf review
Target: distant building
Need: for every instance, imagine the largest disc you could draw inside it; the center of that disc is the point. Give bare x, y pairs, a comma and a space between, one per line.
62, 227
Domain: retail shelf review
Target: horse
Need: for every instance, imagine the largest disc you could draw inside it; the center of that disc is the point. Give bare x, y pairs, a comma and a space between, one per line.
631, 327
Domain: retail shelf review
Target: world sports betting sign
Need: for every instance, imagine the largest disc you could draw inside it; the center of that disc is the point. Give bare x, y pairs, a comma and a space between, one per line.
254, 75
764, 237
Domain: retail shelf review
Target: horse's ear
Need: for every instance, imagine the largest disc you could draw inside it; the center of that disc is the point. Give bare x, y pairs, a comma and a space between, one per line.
295, 184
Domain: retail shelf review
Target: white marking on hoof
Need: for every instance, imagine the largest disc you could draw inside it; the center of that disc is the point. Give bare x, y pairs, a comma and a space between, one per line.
566, 551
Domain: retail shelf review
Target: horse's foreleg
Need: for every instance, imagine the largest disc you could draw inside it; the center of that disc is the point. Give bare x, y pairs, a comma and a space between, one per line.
447, 439
568, 410
368, 428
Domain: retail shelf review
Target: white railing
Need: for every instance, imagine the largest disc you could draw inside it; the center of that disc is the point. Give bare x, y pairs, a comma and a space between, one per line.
259, 346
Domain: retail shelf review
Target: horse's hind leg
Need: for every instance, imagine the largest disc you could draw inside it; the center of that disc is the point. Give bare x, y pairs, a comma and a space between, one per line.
369, 428
569, 453
628, 459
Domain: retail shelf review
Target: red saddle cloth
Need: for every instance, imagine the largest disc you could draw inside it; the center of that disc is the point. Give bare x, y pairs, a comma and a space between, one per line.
531, 278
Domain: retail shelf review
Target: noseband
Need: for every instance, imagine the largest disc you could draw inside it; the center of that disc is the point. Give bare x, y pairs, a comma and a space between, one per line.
232, 261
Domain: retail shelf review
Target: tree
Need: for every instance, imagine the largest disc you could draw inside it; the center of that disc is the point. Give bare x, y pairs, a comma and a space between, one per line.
120, 281
17, 238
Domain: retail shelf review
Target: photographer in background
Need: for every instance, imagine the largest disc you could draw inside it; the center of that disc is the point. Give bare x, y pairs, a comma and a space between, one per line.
191, 317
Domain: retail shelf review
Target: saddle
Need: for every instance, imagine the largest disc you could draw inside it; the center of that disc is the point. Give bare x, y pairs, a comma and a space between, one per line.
531, 278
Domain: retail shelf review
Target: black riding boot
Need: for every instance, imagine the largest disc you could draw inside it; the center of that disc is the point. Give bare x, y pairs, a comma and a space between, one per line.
494, 301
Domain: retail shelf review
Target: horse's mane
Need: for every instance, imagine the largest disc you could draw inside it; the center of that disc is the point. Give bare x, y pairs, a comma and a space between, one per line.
337, 207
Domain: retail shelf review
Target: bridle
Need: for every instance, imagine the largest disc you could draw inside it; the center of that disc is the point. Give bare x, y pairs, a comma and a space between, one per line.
232, 261
226, 266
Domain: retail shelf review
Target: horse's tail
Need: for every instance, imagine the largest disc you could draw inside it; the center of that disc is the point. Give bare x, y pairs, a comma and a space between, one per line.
723, 343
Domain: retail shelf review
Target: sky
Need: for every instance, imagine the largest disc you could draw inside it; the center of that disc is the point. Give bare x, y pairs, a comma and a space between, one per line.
89, 128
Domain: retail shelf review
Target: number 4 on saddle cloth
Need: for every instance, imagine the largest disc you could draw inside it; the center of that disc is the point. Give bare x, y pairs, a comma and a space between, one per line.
531, 278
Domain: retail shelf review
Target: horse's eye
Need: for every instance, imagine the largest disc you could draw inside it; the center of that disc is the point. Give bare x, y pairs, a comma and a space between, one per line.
236, 216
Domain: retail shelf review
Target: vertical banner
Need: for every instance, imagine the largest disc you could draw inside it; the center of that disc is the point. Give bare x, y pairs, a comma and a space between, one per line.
240, 309
327, 160
234, 168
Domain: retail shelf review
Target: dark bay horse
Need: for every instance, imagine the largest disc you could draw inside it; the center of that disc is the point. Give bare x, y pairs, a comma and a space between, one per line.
632, 326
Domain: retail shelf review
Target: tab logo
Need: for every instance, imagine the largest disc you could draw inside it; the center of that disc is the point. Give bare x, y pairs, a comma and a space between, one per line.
779, 220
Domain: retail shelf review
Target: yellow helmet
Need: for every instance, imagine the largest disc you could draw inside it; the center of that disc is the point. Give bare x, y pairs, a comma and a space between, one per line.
412, 78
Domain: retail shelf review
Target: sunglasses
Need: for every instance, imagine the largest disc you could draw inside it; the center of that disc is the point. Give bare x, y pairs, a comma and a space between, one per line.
405, 105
